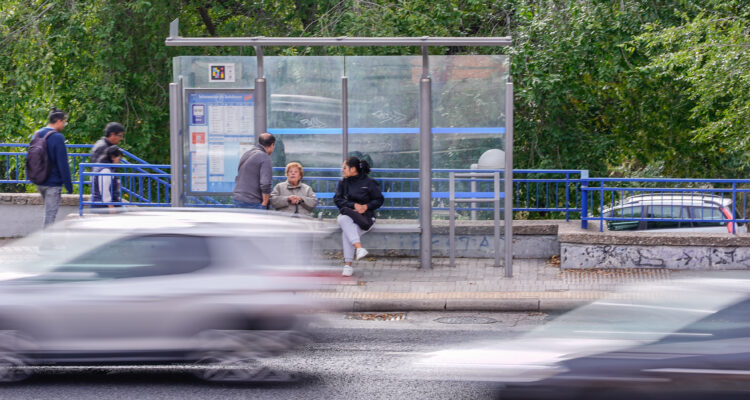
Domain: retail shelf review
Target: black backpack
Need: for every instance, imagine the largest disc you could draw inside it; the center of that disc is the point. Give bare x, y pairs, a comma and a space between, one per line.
37, 160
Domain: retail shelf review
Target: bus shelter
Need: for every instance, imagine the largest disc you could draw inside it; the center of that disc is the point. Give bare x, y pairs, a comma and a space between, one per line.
425, 113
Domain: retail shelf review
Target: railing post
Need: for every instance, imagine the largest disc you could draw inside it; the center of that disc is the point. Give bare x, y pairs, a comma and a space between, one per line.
567, 197
734, 207
601, 206
473, 189
584, 199
496, 204
80, 190
452, 218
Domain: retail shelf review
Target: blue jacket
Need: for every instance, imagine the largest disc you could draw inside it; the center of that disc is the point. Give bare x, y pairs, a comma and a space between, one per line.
58, 157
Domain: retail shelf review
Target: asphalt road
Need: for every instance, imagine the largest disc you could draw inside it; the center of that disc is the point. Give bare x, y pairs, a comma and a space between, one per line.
350, 359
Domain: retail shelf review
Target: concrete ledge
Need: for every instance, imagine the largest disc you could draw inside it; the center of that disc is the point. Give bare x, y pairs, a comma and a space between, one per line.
479, 304
657, 238
399, 305
35, 199
492, 305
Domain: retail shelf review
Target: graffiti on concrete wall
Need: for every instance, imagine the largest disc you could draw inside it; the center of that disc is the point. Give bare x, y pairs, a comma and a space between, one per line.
672, 257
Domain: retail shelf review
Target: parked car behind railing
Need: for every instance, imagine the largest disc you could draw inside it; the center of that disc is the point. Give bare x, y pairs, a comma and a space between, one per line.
673, 211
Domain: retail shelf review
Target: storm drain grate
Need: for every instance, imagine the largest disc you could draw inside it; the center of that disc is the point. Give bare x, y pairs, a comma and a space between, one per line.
466, 320
376, 316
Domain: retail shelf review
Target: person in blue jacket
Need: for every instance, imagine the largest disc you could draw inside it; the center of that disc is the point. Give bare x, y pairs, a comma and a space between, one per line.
51, 189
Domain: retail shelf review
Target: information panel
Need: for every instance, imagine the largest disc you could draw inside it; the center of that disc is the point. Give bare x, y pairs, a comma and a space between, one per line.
220, 129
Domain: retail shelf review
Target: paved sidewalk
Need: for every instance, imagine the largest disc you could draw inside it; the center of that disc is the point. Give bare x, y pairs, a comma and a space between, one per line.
397, 284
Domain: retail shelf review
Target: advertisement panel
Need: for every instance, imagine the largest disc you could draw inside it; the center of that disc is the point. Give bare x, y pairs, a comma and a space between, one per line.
220, 129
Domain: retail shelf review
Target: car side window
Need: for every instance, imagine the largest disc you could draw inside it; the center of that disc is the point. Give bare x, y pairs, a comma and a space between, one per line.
628, 212
665, 211
625, 212
142, 256
708, 215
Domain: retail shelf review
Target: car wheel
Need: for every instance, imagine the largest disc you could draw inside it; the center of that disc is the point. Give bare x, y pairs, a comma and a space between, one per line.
238, 356
237, 367
13, 368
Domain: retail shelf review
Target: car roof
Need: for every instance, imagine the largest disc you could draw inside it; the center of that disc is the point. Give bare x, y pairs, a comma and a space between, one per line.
674, 199
217, 222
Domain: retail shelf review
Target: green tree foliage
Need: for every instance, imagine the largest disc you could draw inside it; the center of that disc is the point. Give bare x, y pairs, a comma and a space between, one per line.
626, 87
702, 66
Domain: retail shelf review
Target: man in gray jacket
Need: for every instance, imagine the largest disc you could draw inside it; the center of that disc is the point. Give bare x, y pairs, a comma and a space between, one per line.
252, 186
113, 134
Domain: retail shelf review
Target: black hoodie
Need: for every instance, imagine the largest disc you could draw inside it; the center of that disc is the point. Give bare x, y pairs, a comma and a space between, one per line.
360, 189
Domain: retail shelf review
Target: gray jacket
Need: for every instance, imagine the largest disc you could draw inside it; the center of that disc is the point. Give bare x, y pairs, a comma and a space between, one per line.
253, 176
99, 151
282, 191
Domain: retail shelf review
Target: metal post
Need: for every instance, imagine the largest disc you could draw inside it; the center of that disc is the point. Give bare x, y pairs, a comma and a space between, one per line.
496, 204
261, 112
177, 151
425, 163
584, 199
567, 196
345, 117
474, 190
508, 179
452, 218
80, 188
734, 207
601, 206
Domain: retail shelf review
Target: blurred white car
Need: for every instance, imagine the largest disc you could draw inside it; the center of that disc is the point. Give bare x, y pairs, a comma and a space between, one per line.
219, 288
673, 212
662, 340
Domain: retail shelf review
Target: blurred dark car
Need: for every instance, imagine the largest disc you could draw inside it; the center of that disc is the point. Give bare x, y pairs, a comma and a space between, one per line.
672, 340
219, 289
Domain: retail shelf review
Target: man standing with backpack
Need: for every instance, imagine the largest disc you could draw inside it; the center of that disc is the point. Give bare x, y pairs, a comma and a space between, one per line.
52, 173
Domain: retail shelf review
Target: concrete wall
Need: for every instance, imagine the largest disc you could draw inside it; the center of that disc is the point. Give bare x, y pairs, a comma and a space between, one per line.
467, 245
577, 256
670, 250
23, 213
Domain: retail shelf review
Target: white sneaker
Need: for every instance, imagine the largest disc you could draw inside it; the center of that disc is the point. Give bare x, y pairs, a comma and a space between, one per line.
360, 253
348, 270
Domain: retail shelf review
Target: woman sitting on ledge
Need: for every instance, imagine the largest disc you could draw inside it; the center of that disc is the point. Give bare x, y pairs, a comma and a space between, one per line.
357, 197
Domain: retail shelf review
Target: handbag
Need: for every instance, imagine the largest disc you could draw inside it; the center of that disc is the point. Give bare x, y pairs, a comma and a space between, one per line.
360, 219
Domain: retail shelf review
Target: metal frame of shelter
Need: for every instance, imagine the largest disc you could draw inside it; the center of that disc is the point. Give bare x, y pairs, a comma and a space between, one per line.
425, 115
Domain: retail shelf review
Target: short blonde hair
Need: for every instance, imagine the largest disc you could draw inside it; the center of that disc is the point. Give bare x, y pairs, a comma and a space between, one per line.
295, 165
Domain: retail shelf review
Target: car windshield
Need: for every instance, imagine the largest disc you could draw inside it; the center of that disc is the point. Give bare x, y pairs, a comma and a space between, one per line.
43, 251
647, 312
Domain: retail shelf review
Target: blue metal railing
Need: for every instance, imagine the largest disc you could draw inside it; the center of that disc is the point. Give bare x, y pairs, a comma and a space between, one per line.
534, 190
13, 163
143, 188
606, 196
145, 184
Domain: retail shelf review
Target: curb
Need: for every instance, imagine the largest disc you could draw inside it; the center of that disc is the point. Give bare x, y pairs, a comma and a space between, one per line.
482, 301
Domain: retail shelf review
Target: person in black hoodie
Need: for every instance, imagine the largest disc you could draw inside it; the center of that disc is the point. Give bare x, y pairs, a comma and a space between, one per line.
357, 197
